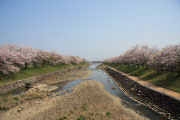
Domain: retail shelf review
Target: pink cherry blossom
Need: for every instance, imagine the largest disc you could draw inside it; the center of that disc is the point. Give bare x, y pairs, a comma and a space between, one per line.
166, 59
13, 58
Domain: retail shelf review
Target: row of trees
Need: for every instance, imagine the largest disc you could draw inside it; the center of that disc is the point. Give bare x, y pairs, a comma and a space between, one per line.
167, 58
14, 58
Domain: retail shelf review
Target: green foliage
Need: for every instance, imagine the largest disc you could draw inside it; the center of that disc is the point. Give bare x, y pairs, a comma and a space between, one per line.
63, 118
16, 98
4, 100
35, 71
81, 118
166, 79
91, 113
113, 65
84, 107
108, 114
71, 111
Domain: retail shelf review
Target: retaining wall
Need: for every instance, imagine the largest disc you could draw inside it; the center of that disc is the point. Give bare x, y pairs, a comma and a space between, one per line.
4, 88
145, 94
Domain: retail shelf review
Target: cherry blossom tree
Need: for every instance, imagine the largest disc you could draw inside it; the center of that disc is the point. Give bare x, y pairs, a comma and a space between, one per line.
166, 59
9, 60
170, 58
14, 58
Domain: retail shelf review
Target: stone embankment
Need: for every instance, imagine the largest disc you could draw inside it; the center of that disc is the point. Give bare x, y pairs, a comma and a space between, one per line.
163, 101
8, 87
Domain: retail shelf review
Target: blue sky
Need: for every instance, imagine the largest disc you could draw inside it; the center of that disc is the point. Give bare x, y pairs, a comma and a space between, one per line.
94, 29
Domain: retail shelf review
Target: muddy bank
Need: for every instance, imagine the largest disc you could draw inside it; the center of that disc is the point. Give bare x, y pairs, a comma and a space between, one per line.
89, 100
8, 87
66, 76
41, 89
166, 105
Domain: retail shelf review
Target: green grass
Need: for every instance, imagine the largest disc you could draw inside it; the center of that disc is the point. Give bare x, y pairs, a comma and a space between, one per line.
71, 112
16, 98
108, 114
63, 118
81, 118
4, 100
84, 107
169, 80
31, 72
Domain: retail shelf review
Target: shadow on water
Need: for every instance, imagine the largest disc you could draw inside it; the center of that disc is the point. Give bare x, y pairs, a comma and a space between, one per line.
111, 86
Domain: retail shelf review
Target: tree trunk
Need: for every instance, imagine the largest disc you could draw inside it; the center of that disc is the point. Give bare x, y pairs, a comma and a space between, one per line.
171, 69
26, 65
146, 67
44, 62
35, 64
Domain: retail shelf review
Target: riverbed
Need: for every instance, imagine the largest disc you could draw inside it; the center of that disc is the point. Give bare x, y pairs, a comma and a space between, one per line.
111, 86
68, 90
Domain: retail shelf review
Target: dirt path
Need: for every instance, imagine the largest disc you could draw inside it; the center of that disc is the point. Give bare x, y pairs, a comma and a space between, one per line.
88, 101
149, 85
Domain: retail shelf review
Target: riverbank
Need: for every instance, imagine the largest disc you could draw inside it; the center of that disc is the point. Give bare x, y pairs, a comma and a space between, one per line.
159, 99
13, 85
42, 89
35, 71
89, 100
169, 80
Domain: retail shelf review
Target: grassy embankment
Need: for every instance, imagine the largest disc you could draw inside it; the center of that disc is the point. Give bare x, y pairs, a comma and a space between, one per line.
30, 72
169, 80
7, 101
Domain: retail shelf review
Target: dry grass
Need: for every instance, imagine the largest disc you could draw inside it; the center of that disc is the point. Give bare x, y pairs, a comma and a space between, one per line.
7, 102
68, 76
89, 101
10, 101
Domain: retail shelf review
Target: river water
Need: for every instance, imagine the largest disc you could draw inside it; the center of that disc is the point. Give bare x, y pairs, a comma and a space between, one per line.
111, 86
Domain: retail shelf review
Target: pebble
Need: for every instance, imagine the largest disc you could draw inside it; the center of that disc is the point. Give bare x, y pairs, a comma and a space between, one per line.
108, 81
138, 112
114, 88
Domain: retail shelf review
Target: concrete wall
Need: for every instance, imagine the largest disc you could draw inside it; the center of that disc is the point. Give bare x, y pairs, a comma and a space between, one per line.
168, 106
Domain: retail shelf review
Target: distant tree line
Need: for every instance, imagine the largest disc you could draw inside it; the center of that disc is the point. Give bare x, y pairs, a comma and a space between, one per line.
14, 58
167, 58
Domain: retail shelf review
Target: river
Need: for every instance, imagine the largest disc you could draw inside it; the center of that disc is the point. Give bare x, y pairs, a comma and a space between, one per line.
109, 83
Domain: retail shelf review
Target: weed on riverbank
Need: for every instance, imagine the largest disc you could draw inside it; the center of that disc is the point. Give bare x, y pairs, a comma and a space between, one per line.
88, 101
35, 71
7, 102
166, 79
